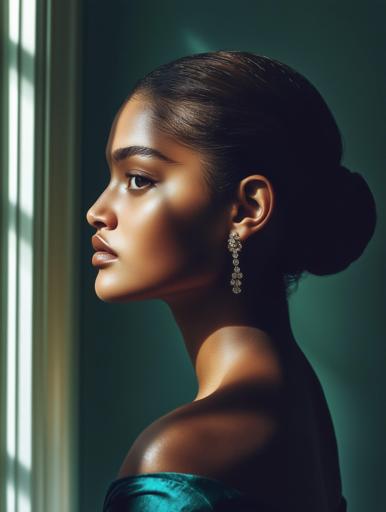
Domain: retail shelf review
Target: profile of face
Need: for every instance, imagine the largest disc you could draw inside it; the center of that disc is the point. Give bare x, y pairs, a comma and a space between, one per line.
156, 214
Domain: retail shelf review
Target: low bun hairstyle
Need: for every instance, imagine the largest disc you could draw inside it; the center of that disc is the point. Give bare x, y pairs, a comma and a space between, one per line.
251, 114
339, 220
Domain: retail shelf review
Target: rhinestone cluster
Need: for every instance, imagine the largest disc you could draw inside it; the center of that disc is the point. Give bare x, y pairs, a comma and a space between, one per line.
234, 246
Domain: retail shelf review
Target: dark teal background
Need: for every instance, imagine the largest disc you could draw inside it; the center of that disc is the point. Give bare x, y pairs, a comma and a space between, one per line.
133, 364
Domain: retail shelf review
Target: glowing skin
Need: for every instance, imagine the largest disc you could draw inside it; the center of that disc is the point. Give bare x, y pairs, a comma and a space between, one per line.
171, 244
163, 232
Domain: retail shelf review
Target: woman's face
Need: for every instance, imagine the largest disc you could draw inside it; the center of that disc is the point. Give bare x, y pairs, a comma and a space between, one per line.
155, 214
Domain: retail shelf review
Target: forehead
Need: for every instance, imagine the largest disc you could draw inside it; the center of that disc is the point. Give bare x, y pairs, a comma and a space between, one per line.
133, 125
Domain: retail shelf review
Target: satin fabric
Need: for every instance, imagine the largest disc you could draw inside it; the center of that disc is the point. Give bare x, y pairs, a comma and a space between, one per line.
180, 492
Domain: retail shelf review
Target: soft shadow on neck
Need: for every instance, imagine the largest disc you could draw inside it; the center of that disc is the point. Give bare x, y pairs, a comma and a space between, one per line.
221, 328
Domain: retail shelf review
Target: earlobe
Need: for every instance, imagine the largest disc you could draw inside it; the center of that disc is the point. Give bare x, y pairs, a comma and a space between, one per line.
254, 205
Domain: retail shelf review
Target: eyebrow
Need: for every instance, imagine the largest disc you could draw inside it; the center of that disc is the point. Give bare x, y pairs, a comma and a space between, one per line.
120, 154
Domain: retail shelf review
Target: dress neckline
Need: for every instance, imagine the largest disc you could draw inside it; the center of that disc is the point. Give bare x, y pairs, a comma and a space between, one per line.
190, 476
195, 476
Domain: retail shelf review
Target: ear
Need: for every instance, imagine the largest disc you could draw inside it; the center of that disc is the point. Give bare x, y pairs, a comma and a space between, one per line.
253, 206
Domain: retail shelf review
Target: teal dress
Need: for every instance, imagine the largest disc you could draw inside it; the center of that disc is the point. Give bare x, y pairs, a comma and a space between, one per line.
181, 492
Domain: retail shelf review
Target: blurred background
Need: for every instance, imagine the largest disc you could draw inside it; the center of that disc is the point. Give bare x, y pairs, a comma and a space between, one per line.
80, 378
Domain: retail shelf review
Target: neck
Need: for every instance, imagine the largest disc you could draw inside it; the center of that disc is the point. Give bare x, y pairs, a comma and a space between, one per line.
221, 328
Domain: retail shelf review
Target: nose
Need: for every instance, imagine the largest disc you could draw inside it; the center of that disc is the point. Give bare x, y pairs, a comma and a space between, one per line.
96, 220
99, 215
91, 217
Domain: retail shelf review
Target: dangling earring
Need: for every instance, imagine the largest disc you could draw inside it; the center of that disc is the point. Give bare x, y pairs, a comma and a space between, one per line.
234, 246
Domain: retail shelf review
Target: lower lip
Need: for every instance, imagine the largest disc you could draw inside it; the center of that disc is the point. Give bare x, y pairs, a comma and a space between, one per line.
101, 257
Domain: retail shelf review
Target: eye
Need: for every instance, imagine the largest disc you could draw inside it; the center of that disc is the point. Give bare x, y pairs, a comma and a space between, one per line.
138, 178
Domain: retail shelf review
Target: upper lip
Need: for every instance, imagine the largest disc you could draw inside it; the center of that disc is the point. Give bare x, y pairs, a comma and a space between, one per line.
100, 244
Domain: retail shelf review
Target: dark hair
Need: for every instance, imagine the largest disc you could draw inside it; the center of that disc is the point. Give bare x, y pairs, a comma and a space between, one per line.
247, 114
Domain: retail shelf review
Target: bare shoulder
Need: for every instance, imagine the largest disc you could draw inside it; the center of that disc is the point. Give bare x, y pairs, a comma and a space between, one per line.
260, 437
223, 436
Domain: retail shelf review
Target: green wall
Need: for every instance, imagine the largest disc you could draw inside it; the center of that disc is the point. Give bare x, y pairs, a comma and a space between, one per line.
133, 362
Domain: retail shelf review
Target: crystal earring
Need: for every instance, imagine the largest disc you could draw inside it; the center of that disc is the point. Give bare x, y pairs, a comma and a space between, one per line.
234, 246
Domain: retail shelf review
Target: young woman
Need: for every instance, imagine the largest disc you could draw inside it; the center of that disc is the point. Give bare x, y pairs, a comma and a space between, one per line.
226, 188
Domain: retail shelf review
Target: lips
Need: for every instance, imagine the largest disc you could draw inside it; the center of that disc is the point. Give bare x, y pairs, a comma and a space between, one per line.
99, 244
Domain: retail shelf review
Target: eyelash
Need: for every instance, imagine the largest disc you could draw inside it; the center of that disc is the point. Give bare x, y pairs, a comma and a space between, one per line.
137, 175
